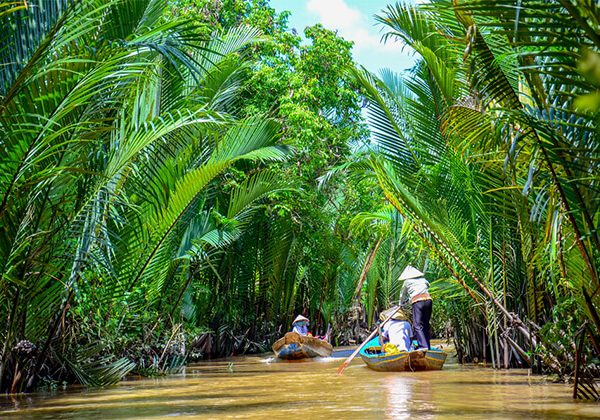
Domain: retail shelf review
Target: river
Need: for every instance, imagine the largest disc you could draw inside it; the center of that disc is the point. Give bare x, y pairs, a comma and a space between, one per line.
256, 387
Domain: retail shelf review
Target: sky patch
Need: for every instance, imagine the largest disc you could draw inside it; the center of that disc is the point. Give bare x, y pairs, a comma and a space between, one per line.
354, 20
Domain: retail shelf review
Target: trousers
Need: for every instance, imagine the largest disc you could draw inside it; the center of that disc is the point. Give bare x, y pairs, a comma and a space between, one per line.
421, 311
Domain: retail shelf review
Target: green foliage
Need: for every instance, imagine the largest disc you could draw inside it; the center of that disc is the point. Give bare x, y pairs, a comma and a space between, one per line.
180, 178
148, 197
292, 252
473, 151
114, 145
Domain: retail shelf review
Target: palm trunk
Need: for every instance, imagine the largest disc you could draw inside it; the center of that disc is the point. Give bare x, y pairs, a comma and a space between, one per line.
366, 267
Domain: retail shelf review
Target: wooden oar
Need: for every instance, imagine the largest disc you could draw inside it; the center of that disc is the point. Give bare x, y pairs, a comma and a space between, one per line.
353, 355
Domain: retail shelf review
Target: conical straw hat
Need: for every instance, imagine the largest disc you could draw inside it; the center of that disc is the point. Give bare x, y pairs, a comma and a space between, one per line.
400, 315
300, 318
410, 272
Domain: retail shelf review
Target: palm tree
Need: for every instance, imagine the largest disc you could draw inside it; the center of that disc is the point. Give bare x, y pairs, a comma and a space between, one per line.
115, 125
487, 157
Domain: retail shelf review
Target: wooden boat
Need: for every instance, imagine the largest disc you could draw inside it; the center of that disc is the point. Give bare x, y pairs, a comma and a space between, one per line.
372, 355
294, 346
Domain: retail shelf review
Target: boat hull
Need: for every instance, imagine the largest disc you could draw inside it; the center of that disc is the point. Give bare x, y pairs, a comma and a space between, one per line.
404, 361
294, 346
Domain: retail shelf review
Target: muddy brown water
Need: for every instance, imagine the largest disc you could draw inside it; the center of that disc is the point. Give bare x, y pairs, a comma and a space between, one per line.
256, 387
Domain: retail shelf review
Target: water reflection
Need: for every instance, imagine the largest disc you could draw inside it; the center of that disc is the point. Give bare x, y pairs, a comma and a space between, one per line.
256, 387
398, 395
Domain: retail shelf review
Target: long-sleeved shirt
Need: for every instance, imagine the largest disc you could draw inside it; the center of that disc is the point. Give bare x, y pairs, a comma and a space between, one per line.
398, 333
413, 287
301, 329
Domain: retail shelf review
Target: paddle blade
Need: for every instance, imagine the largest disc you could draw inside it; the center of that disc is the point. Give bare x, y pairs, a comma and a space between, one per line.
343, 366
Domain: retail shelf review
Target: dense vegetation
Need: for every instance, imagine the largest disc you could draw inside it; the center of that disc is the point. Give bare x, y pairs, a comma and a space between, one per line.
490, 150
179, 178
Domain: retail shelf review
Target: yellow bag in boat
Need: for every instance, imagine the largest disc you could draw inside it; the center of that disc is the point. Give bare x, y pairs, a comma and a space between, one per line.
390, 348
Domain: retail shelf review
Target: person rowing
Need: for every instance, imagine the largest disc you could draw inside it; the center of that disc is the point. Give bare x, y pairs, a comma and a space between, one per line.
397, 330
300, 325
416, 291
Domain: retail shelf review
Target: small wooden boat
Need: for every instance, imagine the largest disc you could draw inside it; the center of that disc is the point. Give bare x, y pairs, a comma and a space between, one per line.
294, 346
372, 355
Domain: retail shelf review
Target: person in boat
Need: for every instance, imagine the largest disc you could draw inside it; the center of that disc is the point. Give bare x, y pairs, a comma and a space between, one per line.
416, 291
300, 325
397, 330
